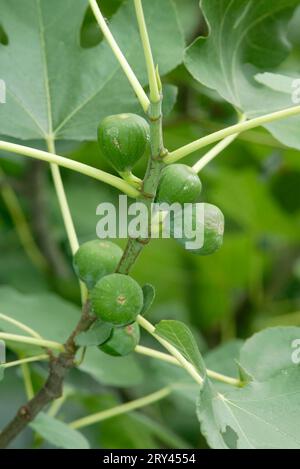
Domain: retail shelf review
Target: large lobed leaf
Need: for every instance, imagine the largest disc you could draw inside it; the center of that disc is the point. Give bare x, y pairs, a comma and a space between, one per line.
56, 87
265, 413
246, 37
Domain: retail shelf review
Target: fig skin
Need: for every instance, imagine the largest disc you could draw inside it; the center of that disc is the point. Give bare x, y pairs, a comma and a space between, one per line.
179, 184
123, 139
117, 299
122, 341
212, 225
95, 259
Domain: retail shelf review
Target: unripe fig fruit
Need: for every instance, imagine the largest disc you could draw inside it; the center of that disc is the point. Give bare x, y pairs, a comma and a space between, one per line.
117, 299
179, 184
211, 226
123, 140
122, 341
95, 259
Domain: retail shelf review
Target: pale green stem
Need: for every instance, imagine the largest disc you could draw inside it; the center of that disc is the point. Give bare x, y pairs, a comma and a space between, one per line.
32, 341
63, 202
252, 136
152, 75
170, 359
135, 246
131, 179
20, 325
137, 87
211, 155
121, 409
234, 129
70, 164
27, 381
215, 151
36, 358
22, 228
65, 211
172, 350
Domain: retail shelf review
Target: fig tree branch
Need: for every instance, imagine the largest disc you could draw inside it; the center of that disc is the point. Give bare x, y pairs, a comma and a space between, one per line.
153, 109
150, 183
59, 367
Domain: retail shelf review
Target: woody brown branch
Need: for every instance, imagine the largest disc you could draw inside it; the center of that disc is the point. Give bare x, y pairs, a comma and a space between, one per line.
53, 387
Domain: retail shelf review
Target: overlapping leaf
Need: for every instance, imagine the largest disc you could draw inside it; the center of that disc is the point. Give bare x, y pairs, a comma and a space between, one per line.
265, 413
246, 37
56, 87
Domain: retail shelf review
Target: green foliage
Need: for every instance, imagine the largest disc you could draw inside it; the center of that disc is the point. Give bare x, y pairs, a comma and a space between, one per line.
277, 344
223, 358
230, 419
73, 89
46, 313
243, 40
58, 433
117, 299
206, 307
124, 431
123, 372
1, 373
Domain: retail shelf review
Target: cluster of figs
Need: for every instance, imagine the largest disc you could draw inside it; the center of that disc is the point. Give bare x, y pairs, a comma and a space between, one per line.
117, 299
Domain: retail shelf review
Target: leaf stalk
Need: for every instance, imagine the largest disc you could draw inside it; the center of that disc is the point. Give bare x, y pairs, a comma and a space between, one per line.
136, 85
186, 150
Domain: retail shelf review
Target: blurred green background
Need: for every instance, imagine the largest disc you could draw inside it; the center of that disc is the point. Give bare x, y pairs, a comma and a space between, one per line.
253, 282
